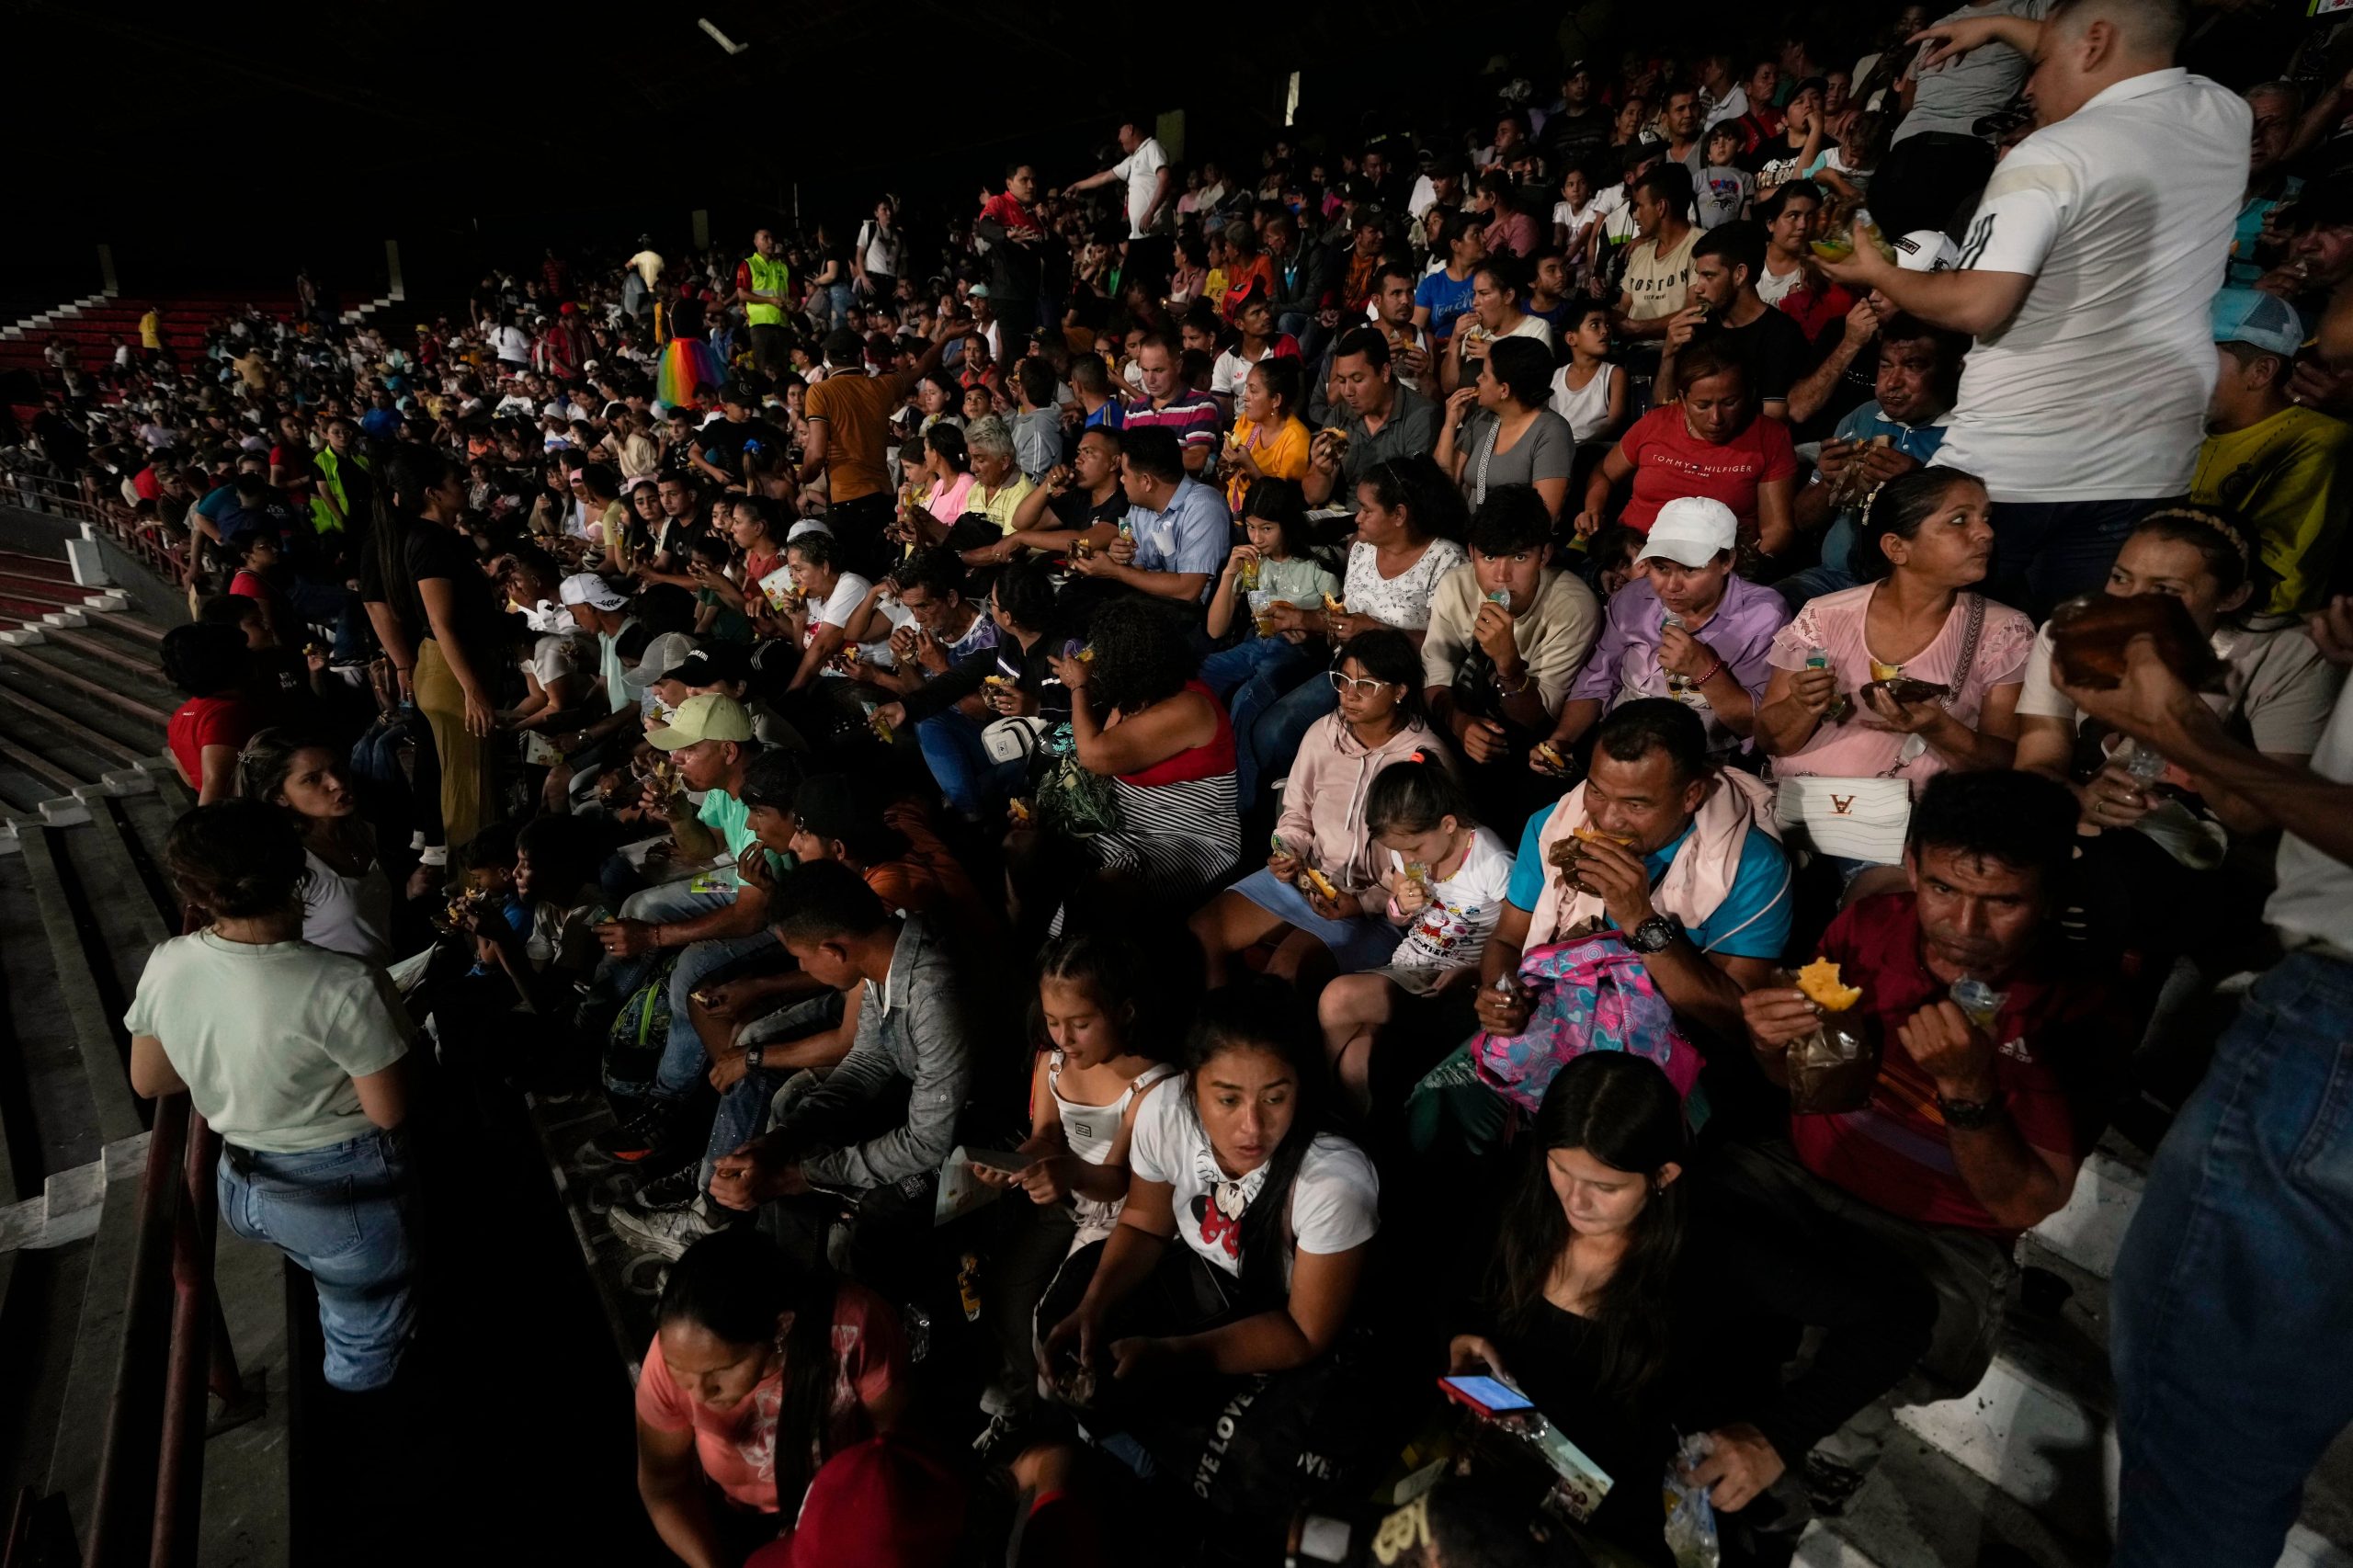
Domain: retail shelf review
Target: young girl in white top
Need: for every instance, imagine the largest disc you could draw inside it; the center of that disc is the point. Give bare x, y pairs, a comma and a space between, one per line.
1090, 1081
1447, 880
347, 899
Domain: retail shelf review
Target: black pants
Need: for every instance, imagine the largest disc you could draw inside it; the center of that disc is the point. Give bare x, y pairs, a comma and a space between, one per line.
1249, 1449
858, 525
1930, 181
768, 345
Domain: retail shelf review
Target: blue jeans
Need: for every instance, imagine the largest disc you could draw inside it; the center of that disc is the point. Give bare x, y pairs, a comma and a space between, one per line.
2045, 551
960, 765
2233, 1332
744, 1109
343, 1212
837, 302
683, 1058
1269, 724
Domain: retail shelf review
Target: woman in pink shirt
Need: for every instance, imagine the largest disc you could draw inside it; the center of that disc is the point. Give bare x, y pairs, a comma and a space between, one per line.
1924, 541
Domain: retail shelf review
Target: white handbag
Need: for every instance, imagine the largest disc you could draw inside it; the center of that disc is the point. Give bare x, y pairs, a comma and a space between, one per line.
1857, 819
1868, 819
1014, 739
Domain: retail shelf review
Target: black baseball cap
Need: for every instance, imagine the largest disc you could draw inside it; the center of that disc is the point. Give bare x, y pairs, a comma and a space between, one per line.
712, 665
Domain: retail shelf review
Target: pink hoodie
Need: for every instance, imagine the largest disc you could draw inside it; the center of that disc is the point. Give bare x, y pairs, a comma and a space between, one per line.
1323, 819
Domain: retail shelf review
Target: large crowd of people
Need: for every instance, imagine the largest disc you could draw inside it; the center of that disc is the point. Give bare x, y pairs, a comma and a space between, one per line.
1586, 758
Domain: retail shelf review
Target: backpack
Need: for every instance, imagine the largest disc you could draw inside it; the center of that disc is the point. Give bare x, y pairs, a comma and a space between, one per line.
1592, 994
634, 1042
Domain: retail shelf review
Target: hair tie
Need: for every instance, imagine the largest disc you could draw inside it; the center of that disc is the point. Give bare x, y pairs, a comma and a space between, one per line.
1864, 520
2213, 520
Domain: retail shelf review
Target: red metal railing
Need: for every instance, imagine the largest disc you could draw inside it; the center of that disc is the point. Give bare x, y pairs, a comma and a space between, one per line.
175, 1344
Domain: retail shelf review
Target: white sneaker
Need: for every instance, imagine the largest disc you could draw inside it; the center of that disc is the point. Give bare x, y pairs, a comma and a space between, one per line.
666, 1232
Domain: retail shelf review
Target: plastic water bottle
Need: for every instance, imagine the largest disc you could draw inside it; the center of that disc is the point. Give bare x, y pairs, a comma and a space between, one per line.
1978, 1001
2146, 764
1677, 686
1819, 659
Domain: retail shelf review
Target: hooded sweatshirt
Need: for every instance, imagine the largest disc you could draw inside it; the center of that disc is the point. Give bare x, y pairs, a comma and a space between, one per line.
1322, 818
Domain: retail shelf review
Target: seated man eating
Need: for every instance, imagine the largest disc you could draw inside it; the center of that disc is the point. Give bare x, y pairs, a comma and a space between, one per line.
1998, 1056
1678, 857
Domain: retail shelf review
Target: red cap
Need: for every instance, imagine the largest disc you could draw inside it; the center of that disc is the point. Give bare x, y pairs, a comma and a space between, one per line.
883, 1504
567, 309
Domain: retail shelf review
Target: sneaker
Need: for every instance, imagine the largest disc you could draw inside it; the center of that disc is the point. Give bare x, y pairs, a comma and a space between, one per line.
665, 1232
674, 1189
1830, 1487
639, 1136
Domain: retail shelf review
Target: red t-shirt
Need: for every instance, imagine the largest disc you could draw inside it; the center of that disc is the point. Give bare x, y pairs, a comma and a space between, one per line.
1669, 461
2059, 1039
737, 1447
1817, 304
207, 721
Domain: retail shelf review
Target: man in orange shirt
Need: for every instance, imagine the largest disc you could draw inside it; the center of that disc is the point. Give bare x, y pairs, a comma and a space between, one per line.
850, 420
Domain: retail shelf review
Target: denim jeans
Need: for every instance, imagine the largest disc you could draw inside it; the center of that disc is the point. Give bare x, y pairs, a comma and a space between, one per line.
837, 304
346, 1213
683, 1058
2232, 1327
1269, 723
744, 1109
2045, 551
960, 765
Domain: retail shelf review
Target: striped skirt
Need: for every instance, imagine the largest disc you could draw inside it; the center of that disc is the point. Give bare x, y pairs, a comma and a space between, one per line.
1175, 841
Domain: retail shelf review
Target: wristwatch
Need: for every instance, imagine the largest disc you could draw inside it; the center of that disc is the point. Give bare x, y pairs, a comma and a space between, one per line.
1968, 1116
754, 1055
1653, 934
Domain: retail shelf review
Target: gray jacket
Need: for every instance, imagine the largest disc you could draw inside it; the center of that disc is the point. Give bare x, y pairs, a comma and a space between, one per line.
912, 1034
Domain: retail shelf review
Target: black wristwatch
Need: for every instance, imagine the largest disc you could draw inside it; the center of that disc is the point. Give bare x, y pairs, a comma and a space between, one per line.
1968, 1116
753, 1056
1653, 934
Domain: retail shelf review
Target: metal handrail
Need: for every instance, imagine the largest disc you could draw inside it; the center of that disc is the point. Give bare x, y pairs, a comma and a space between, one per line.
48, 493
174, 1342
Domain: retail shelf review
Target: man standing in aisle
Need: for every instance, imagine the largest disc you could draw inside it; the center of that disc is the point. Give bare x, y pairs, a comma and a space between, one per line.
761, 280
2084, 277
2232, 1324
1152, 195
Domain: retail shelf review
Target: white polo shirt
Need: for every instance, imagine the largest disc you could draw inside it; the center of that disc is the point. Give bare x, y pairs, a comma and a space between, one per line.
2123, 212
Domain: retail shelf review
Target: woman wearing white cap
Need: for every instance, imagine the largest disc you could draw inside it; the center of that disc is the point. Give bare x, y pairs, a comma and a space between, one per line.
1687, 629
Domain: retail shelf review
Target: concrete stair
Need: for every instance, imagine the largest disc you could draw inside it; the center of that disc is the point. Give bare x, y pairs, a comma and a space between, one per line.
2027, 1462
88, 802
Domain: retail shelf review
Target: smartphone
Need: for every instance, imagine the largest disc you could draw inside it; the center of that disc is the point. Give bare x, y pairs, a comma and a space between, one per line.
1489, 1396
1000, 1160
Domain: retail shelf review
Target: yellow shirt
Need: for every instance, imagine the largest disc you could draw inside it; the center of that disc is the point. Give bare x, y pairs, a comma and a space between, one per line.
999, 507
1280, 454
151, 331
2285, 477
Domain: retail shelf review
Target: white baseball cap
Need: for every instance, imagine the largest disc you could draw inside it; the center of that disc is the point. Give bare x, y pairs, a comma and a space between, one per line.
1690, 531
1926, 250
661, 655
588, 588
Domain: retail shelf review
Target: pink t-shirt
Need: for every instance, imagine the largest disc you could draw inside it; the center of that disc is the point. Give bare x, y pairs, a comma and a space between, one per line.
738, 1446
1862, 748
947, 502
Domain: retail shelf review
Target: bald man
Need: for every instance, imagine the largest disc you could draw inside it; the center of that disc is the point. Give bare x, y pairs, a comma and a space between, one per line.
2084, 277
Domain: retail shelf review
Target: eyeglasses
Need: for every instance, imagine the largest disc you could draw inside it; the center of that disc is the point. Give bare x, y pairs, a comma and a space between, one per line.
1341, 684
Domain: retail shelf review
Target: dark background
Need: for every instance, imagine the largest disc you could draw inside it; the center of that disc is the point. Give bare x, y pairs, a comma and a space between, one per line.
221, 147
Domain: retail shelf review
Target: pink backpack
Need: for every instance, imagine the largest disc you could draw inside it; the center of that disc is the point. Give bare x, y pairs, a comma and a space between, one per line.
1591, 994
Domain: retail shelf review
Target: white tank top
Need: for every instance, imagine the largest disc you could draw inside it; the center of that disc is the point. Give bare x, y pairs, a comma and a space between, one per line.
1586, 410
1091, 1131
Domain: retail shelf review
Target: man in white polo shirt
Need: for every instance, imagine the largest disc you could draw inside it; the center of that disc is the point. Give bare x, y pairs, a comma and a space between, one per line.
2084, 277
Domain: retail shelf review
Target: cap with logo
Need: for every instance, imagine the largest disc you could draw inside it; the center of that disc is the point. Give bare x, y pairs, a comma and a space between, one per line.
1926, 250
588, 588
669, 649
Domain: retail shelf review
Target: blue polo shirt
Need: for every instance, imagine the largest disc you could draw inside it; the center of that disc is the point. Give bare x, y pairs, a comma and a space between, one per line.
1757, 912
1195, 534
1865, 424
